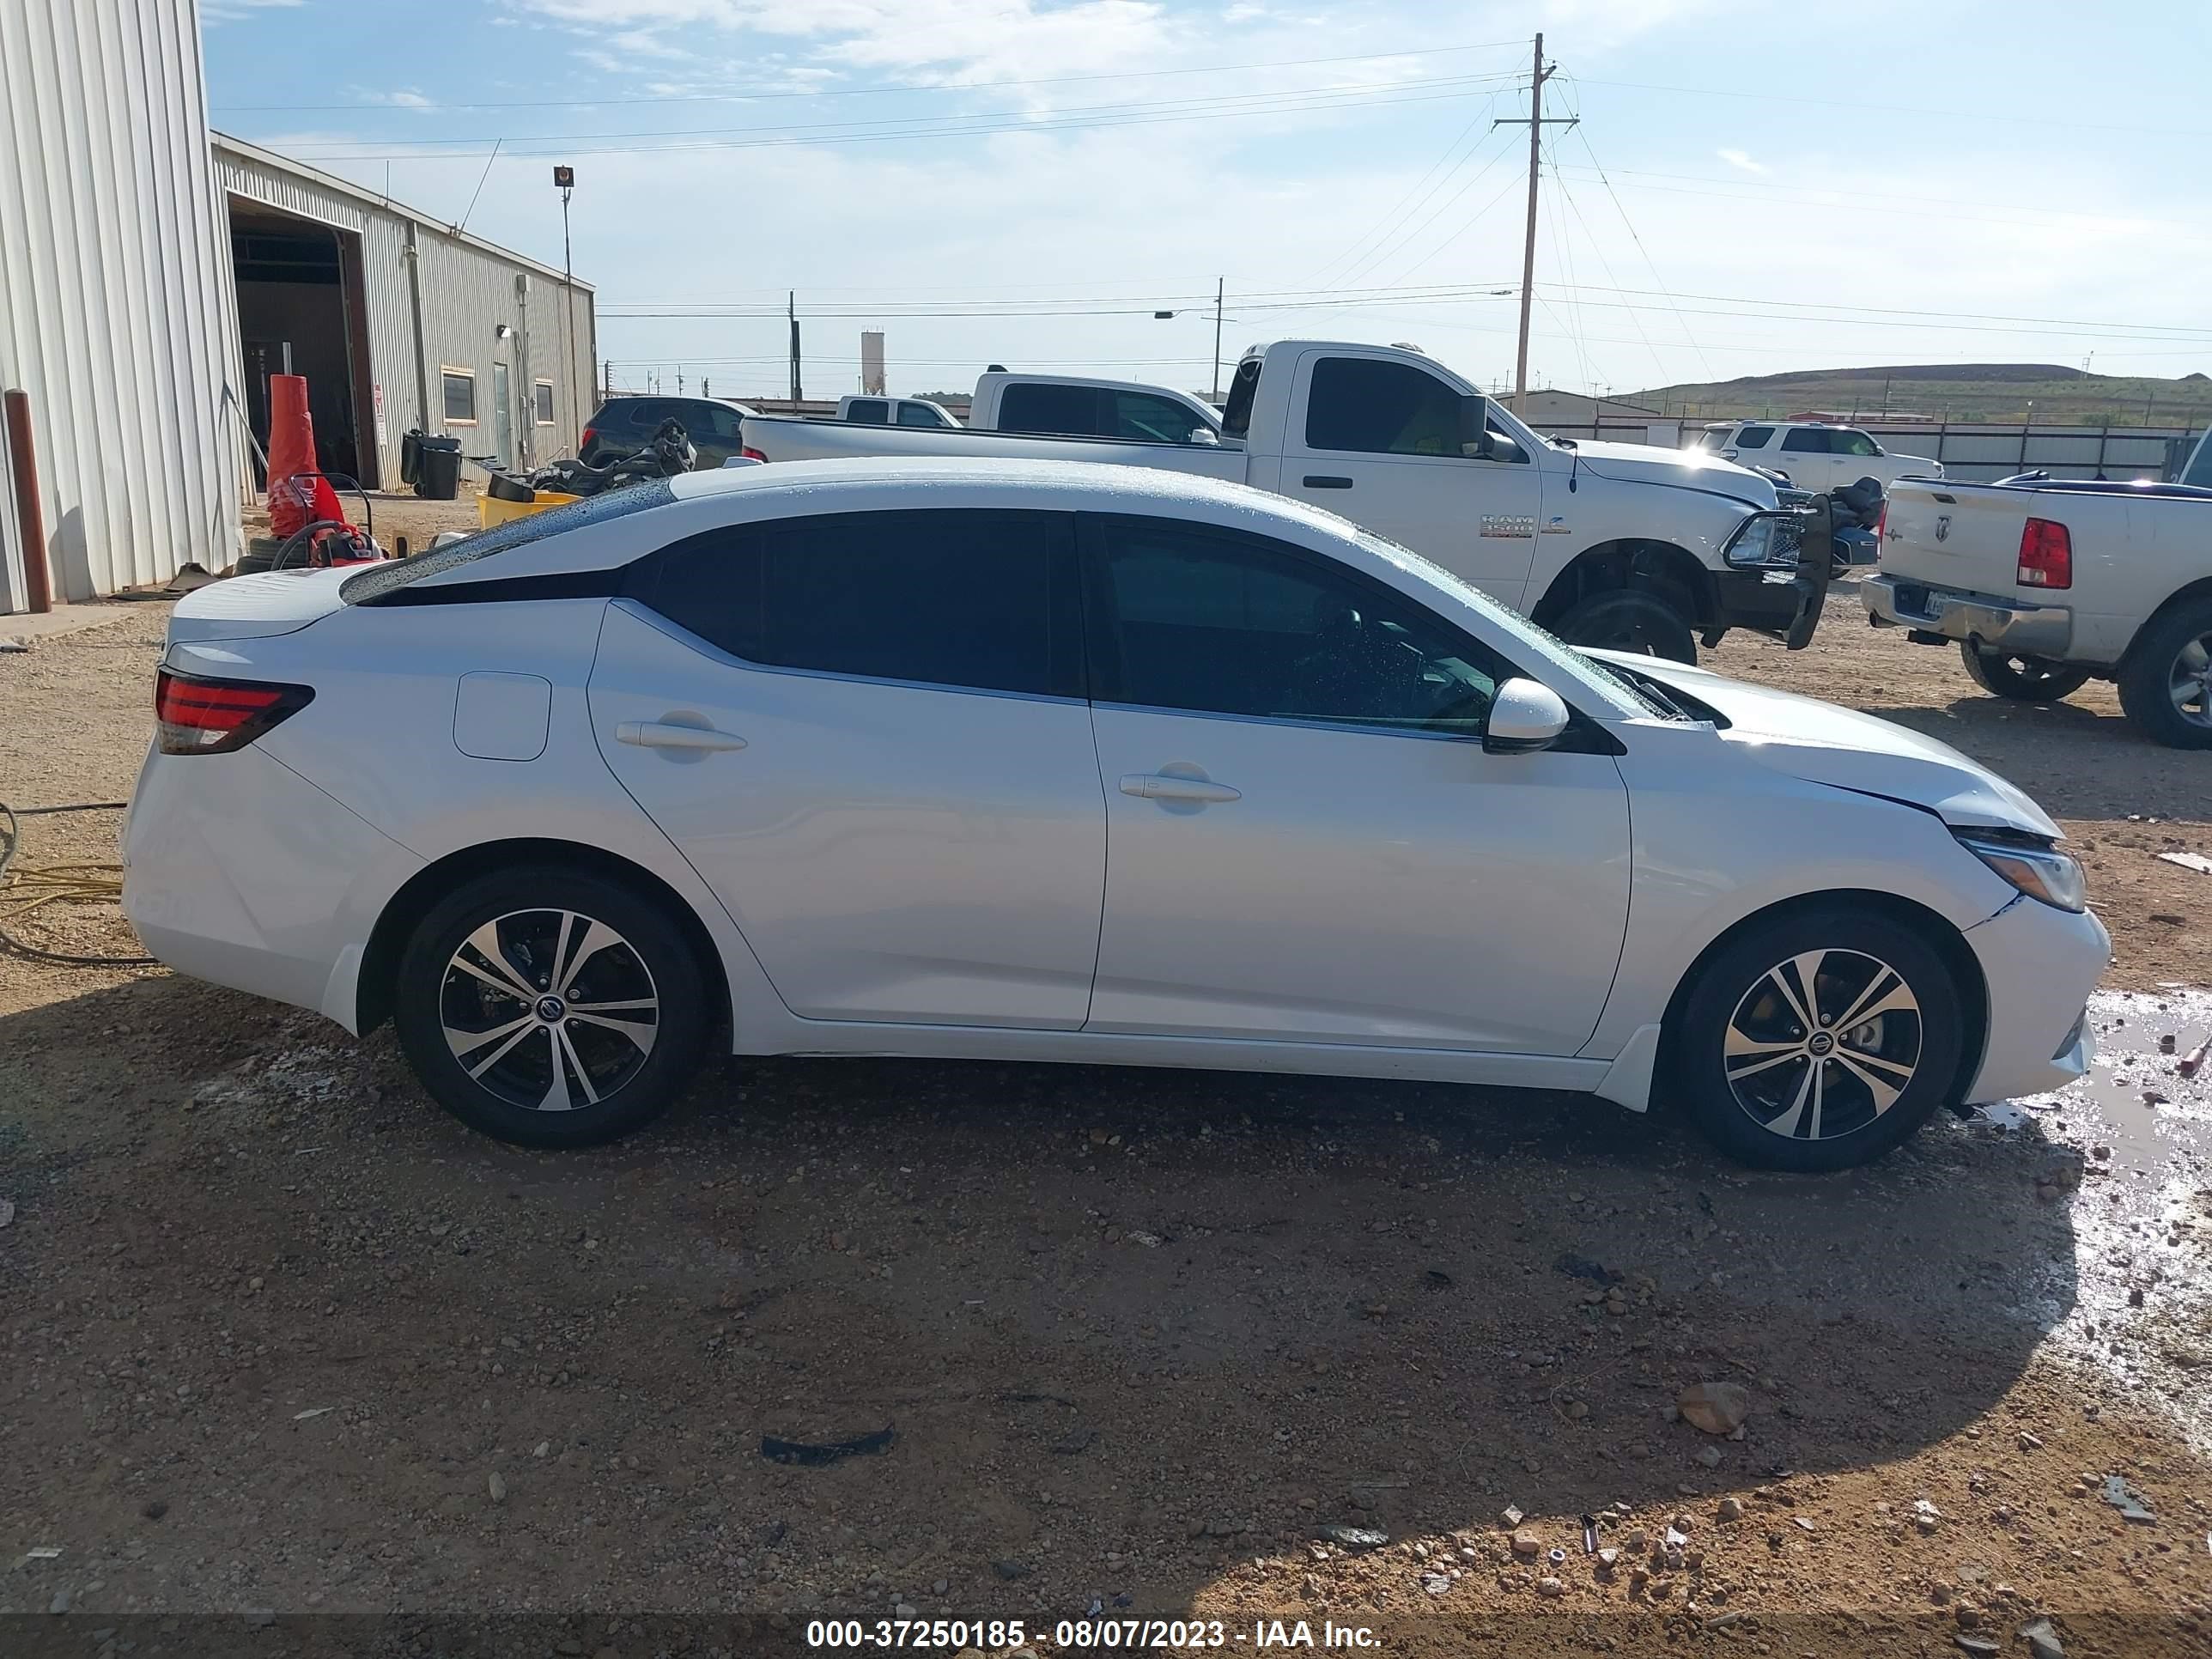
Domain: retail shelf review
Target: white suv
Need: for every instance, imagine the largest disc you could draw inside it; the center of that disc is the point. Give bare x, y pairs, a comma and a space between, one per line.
1816, 454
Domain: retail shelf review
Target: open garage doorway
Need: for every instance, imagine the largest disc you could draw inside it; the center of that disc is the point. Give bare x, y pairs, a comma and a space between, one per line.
301, 310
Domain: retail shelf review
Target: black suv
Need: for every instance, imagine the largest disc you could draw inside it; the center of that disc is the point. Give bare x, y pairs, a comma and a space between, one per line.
622, 426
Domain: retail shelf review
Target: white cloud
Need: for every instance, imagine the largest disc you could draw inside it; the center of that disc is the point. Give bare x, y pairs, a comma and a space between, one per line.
1742, 161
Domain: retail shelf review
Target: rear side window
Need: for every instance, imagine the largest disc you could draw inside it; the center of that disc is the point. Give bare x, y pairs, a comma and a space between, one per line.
1754, 437
1072, 410
869, 412
979, 600
703, 420
1806, 440
1373, 408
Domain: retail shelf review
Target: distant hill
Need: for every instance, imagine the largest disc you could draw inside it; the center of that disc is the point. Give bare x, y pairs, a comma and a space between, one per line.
1958, 391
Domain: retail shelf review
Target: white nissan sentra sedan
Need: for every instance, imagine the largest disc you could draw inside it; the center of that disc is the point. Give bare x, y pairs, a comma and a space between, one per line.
1051, 761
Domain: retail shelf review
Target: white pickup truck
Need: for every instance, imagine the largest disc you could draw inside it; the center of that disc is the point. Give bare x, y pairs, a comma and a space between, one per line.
2047, 583
1621, 545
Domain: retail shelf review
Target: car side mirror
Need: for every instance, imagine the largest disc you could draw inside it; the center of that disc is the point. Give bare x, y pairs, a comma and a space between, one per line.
1525, 716
1474, 439
1203, 434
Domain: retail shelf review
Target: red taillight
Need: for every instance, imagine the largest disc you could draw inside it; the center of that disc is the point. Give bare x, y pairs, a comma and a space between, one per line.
585, 442
1881, 523
752, 454
213, 717
2047, 555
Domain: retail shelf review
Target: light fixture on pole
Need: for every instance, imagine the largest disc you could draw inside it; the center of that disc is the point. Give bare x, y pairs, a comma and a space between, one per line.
564, 180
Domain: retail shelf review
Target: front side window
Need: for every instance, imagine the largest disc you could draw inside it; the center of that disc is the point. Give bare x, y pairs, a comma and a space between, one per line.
1754, 437
1369, 407
460, 396
1070, 410
981, 601
1189, 618
1806, 440
869, 412
1853, 443
1153, 420
918, 415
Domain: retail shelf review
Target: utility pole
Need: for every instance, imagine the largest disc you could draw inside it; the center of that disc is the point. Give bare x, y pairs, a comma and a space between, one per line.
792, 311
1535, 125
1219, 284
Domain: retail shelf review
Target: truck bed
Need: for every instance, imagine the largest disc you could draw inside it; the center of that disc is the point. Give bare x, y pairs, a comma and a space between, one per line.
796, 438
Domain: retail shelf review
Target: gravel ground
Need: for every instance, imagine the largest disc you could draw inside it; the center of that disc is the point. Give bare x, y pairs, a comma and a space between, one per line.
283, 1342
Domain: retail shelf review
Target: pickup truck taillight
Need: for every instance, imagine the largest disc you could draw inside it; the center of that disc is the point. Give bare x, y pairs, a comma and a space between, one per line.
2047, 555
752, 454
214, 717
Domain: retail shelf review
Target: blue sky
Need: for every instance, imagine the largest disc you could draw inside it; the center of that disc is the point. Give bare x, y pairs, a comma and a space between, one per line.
1752, 188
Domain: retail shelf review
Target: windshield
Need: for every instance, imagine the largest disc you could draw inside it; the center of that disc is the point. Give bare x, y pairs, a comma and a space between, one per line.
2199, 471
378, 579
1615, 696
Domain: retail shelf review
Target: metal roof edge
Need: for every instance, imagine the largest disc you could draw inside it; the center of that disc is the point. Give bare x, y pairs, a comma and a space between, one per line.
270, 158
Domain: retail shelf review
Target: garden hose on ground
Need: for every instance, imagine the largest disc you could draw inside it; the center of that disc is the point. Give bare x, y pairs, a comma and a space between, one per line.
31, 887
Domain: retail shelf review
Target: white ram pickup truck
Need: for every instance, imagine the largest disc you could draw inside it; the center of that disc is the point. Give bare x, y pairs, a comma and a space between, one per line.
2044, 584
1621, 545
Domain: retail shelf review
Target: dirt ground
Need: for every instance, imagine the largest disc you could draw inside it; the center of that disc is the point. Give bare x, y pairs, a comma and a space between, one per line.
291, 1362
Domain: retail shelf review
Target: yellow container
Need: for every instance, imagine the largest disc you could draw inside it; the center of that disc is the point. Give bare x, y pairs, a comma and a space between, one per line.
490, 510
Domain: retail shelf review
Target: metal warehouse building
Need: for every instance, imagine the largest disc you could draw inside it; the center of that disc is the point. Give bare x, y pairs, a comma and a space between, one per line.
397, 321
153, 275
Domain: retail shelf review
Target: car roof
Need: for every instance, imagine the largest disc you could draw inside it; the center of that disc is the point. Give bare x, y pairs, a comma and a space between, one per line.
1044, 486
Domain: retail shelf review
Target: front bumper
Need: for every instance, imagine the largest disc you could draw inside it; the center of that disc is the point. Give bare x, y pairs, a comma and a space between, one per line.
2039, 965
2031, 630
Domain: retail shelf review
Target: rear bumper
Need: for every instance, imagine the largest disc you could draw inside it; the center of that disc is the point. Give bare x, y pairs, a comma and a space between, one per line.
2035, 631
238, 871
2039, 965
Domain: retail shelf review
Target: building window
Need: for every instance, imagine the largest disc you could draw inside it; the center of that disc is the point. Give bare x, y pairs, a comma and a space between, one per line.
460, 389
541, 392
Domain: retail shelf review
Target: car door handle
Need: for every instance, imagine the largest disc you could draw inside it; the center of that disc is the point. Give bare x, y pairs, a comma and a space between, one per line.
659, 734
1162, 785
1325, 481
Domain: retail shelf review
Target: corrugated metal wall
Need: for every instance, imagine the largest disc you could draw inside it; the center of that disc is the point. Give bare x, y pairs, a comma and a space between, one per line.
467, 290
115, 263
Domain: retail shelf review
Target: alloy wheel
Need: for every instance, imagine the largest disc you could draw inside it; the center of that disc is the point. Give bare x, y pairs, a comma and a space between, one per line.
2189, 681
1822, 1044
549, 1010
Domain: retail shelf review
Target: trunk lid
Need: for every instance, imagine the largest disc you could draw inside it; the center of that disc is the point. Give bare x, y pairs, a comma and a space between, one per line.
1953, 537
256, 607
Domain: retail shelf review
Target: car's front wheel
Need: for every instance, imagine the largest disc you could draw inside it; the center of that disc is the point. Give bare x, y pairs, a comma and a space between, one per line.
550, 1007
1817, 1039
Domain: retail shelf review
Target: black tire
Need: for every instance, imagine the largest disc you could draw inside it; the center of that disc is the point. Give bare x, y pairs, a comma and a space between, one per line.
2024, 679
635, 1059
1628, 619
1747, 995
2153, 680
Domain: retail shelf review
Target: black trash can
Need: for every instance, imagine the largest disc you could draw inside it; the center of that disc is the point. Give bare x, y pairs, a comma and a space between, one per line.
411, 454
438, 468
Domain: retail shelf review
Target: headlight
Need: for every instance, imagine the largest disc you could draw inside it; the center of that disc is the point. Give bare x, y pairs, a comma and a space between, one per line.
2033, 866
1766, 541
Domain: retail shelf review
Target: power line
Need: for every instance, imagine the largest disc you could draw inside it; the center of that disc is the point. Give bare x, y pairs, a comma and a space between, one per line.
739, 95
1152, 112
1382, 227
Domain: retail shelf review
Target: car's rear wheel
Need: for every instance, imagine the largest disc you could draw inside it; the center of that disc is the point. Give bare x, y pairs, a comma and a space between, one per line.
2023, 678
2166, 685
550, 1007
1819, 1039
1628, 619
